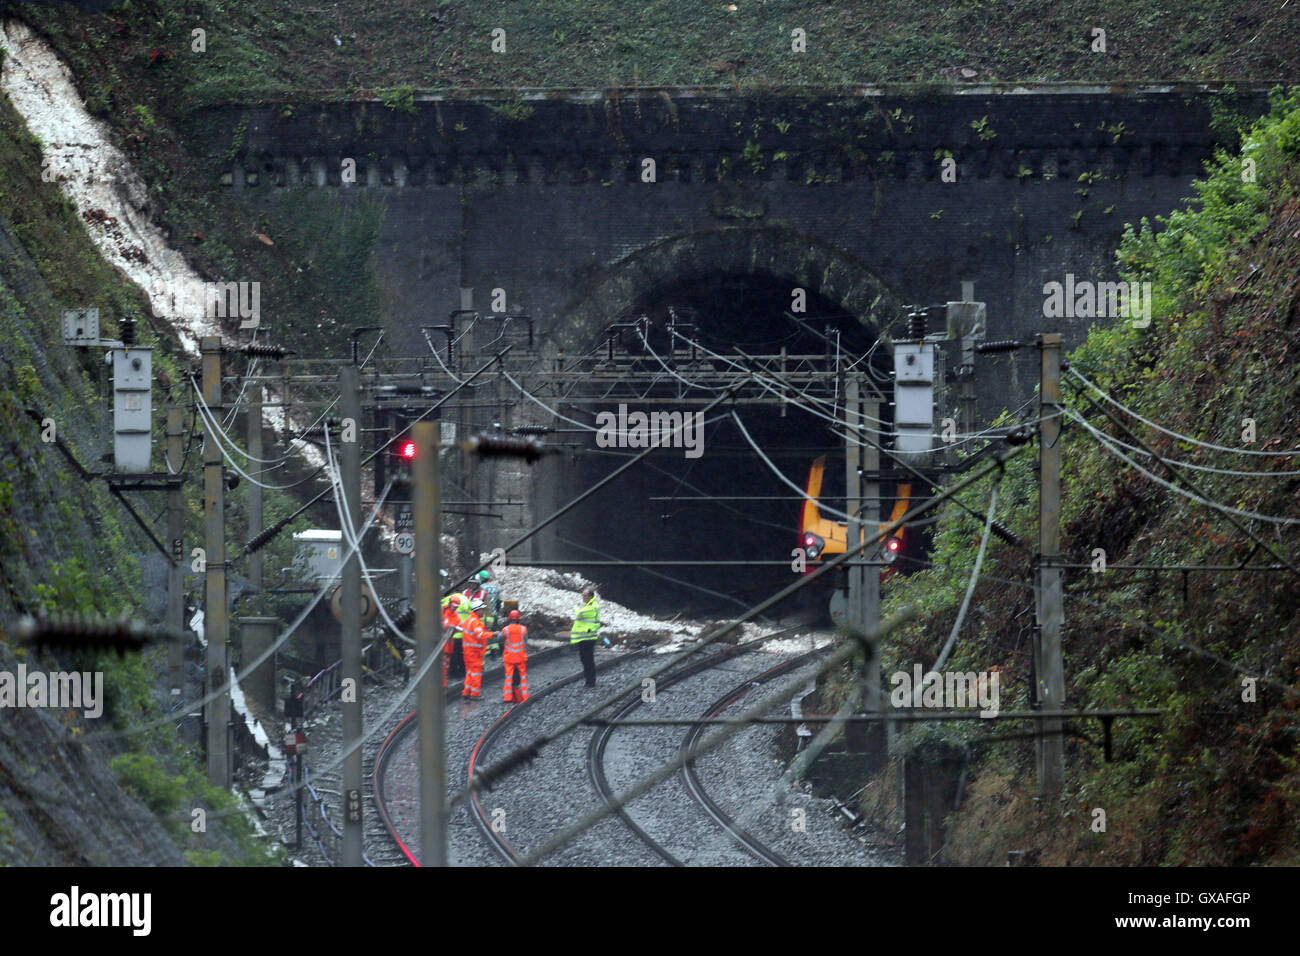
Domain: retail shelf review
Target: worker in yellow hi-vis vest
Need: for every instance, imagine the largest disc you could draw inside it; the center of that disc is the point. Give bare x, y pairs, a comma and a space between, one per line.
586, 625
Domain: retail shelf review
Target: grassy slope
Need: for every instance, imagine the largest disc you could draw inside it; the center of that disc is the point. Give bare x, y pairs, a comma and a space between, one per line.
1218, 781
135, 68
285, 47
66, 546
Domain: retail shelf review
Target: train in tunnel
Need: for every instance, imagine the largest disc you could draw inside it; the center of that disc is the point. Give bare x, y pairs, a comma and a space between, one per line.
821, 537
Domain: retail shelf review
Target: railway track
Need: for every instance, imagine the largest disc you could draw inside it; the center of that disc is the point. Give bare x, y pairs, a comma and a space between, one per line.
405, 727
482, 817
551, 794
600, 742
691, 778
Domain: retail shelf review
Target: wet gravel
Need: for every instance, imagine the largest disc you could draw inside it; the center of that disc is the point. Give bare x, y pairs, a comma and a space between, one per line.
668, 813
555, 790
740, 773
534, 801
324, 731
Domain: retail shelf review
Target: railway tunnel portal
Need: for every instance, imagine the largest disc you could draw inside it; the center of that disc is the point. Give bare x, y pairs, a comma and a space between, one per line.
704, 211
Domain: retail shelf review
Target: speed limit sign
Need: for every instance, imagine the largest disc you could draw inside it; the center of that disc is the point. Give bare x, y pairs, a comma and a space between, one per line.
404, 543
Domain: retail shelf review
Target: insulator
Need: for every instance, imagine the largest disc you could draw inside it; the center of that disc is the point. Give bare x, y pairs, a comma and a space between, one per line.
405, 619
126, 327
75, 631
263, 537
1003, 532
1002, 345
255, 350
495, 446
1020, 436
917, 325
532, 429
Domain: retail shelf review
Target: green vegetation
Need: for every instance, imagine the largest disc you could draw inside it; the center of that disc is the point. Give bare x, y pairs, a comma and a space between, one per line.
982, 129
399, 98
65, 544
174, 797
1216, 781
281, 49
514, 111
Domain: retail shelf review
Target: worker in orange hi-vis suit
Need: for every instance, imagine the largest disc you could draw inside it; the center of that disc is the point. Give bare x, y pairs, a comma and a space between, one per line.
450, 619
474, 642
515, 656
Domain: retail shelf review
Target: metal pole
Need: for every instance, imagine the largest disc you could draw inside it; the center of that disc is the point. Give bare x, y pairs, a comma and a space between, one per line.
257, 558
1049, 664
433, 732
296, 780
350, 601
216, 609
175, 541
966, 375
870, 600
856, 610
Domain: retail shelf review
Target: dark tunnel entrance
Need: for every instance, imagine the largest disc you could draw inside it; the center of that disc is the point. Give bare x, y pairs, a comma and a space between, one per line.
726, 504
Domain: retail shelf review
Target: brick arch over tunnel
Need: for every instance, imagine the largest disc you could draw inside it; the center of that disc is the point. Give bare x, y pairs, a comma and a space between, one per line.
668, 508
806, 262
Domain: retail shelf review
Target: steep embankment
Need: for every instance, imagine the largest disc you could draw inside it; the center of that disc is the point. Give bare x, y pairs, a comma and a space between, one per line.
287, 49
67, 547
1216, 779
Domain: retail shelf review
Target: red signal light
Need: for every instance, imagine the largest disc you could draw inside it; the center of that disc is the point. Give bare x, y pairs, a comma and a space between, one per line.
406, 450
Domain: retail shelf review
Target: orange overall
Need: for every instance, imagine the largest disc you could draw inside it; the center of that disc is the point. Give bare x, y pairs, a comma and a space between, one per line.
450, 619
474, 642
515, 656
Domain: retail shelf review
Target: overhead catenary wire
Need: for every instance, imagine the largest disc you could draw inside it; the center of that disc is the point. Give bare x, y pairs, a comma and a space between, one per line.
1105, 441
211, 423
1113, 615
257, 661
970, 586
778, 473
528, 752
808, 401
1208, 469
275, 528
1178, 435
354, 540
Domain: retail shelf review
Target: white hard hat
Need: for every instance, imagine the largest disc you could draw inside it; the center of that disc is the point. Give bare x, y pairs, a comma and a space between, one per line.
477, 604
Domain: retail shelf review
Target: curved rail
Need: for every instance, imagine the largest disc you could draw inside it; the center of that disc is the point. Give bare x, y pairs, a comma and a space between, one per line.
600, 740
496, 840
695, 786
399, 733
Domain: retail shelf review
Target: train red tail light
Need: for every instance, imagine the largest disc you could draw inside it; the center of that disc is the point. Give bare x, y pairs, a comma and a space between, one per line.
813, 545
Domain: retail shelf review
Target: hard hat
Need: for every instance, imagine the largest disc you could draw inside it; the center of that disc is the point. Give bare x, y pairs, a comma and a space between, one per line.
514, 615
476, 605
485, 575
